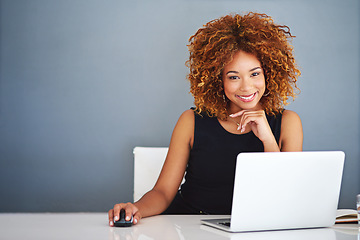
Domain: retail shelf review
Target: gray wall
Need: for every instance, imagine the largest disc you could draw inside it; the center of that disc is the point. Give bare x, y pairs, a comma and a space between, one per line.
83, 82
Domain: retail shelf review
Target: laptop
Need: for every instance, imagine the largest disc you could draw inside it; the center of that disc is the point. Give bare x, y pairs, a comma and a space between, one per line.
284, 190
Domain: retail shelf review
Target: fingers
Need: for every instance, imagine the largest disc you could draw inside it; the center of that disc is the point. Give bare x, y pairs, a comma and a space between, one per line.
237, 114
137, 217
130, 211
248, 117
117, 209
111, 217
114, 214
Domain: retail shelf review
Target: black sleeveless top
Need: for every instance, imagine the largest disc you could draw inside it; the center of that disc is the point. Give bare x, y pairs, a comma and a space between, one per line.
209, 178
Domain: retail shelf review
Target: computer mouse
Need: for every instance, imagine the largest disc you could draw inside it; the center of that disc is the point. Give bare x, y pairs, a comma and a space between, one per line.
122, 222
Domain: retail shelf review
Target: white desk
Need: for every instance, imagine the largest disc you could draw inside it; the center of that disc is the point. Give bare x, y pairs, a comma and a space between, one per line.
170, 227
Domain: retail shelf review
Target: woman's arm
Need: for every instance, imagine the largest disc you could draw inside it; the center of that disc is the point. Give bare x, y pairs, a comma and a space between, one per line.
172, 173
159, 198
256, 121
291, 135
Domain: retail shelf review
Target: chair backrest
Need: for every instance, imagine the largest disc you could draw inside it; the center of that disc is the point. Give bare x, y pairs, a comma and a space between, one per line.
148, 162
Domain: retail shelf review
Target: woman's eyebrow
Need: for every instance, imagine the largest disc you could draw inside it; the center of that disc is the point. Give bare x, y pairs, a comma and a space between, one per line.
232, 72
236, 72
255, 68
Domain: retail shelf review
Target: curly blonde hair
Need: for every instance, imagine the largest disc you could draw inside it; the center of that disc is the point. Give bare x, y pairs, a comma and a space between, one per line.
214, 45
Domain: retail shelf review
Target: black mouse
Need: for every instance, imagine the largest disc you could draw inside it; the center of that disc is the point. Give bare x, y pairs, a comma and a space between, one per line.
122, 222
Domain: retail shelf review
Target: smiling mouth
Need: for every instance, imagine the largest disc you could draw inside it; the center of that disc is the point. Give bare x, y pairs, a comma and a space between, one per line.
247, 98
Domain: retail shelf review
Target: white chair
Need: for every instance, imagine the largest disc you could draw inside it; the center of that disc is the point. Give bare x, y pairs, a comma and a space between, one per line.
148, 162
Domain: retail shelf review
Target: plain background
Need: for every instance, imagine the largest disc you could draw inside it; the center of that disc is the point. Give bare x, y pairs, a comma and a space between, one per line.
85, 81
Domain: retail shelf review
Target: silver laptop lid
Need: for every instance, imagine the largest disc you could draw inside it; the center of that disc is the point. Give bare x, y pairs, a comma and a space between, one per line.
286, 190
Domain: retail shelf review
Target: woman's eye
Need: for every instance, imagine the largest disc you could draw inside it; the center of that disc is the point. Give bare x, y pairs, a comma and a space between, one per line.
255, 74
233, 77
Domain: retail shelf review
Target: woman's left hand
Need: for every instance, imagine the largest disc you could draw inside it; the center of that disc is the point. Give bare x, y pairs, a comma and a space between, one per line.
258, 124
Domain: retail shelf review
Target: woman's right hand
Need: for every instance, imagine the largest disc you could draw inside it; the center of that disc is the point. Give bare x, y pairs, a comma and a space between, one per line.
130, 210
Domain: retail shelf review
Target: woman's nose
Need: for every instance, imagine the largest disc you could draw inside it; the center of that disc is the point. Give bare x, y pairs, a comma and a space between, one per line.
245, 85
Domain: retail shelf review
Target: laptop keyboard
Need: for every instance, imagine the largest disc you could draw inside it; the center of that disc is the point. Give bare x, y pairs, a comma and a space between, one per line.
225, 223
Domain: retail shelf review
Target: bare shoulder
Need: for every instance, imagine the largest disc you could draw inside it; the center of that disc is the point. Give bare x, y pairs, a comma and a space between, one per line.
291, 136
184, 128
188, 114
290, 116
186, 119
290, 121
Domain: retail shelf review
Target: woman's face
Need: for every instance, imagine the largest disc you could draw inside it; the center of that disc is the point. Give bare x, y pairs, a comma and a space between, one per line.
244, 82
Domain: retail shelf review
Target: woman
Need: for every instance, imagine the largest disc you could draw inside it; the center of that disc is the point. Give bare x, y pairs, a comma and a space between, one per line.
242, 72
